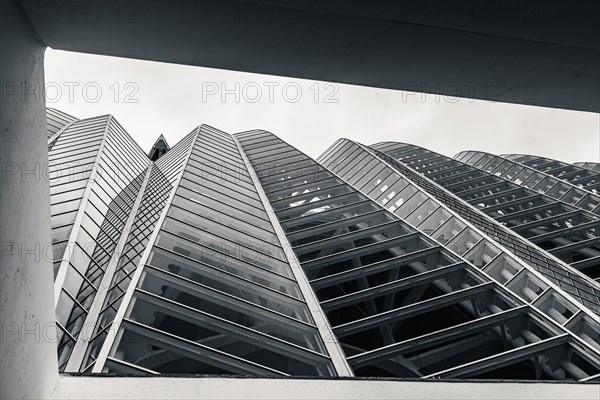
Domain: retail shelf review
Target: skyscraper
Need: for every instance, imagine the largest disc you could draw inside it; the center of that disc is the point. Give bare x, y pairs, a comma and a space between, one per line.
239, 254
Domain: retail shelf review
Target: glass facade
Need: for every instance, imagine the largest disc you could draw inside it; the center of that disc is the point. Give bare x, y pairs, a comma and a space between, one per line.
578, 176
581, 193
239, 254
434, 217
56, 121
554, 230
402, 303
110, 168
592, 166
215, 292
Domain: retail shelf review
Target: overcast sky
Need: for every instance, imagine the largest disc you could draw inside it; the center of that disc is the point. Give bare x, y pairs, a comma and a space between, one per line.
150, 98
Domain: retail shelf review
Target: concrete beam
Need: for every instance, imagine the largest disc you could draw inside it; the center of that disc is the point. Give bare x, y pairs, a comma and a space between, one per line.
542, 53
85, 387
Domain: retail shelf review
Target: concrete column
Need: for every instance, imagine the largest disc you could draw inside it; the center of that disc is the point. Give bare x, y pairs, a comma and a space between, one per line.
28, 366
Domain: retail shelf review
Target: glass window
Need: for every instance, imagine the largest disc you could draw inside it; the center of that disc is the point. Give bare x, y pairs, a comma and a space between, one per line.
434, 221
422, 212
464, 241
449, 230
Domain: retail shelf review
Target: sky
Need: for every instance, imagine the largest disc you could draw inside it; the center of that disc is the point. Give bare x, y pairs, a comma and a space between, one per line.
152, 98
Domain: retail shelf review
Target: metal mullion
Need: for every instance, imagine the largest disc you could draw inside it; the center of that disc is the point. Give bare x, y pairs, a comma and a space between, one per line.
357, 234
102, 330
208, 153
446, 170
221, 152
62, 148
543, 221
393, 286
265, 148
302, 196
70, 171
113, 335
560, 232
81, 274
505, 358
65, 331
311, 217
125, 367
428, 156
183, 184
591, 378
76, 302
497, 183
67, 140
66, 149
587, 199
334, 152
198, 351
375, 267
353, 163
584, 180
281, 170
230, 300
582, 244
266, 167
314, 230
567, 177
469, 171
294, 188
227, 255
364, 171
437, 337
583, 264
561, 167
394, 147
213, 179
383, 180
283, 212
508, 192
222, 175
351, 253
130, 146
105, 235
258, 144
277, 160
596, 186
122, 279
219, 141
510, 203
203, 318
255, 136
359, 325
222, 167
90, 365
227, 239
544, 207
110, 305
546, 162
232, 277
211, 209
79, 155
305, 176
413, 151
316, 314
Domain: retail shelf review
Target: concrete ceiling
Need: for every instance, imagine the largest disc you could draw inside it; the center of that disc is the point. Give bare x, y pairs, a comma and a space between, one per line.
543, 53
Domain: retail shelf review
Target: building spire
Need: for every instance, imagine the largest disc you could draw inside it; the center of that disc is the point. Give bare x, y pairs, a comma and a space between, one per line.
159, 148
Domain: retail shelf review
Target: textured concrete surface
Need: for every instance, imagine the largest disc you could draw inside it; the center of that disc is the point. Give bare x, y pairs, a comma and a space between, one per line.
27, 349
542, 53
77, 387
